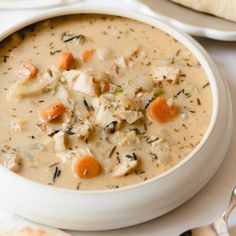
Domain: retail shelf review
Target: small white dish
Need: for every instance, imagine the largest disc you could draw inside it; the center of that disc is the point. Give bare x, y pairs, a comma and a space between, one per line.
190, 21
110, 209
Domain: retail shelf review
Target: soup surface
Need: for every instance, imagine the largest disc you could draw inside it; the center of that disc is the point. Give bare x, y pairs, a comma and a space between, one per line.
98, 102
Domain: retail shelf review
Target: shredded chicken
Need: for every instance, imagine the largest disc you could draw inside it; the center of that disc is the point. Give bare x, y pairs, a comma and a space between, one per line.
47, 81
128, 163
17, 125
74, 154
125, 138
86, 84
66, 97
104, 54
70, 76
13, 162
60, 141
83, 129
105, 117
161, 149
21, 89
121, 63
129, 116
166, 73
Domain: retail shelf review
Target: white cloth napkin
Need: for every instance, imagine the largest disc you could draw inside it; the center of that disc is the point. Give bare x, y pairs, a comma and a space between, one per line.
8, 221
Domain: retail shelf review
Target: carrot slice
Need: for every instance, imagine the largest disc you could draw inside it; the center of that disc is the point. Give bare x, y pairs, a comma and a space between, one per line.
66, 60
87, 54
160, 111
52, 111
27, 71
87, 167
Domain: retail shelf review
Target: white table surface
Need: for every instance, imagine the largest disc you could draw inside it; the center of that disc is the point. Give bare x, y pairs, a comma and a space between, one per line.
212, 200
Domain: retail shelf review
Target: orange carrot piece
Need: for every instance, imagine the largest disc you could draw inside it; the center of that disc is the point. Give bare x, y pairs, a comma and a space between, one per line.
52, 111
66, 60
104, 87
87, 167
160, 111
87, 54
27, 71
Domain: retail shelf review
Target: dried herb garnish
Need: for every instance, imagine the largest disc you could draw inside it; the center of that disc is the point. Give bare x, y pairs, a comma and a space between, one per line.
189, 65
199, 102
54, 164
81, 39
204, 86
153, 155
132, 157
49, 72
112, 151
178, 52
53, 133
87, 106
181, 91
153, 140
139, 172
54, 52
56, 174
78, 186
117, 157
5, 58
111, 127
69, 132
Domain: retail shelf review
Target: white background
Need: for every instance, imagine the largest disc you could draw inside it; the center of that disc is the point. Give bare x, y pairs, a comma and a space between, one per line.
212, 200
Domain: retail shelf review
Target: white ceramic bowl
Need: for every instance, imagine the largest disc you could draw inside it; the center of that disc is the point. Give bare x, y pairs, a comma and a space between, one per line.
110, 209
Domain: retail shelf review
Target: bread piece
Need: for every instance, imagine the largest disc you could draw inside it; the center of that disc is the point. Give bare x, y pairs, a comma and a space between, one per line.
31, 232
222, 8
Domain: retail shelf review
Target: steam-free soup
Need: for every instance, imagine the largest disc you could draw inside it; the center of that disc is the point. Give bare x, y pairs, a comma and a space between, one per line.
98, 102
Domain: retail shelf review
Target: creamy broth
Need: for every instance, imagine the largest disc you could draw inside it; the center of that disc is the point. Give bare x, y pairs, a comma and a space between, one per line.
131, 65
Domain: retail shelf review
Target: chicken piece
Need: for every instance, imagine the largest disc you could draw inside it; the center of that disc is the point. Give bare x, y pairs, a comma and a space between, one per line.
20, 89
131, 51
18, 125
26, 71
129, 116
74, 154
60, 141
53, 76
161, 149
105, 118
168, 73
128, 163
104, 54
86, 84
70, 76
83, 130
121, 63
103, 81
168, 137
25, 87
125, 138
13, 162
66, 97
123, 101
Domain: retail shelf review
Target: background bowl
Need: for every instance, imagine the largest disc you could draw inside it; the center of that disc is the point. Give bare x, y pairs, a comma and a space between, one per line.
110, 209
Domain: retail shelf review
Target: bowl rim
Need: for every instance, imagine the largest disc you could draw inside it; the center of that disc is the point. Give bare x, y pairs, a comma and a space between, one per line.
211, 71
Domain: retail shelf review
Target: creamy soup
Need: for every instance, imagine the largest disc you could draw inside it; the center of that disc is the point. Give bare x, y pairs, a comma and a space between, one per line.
98, 102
